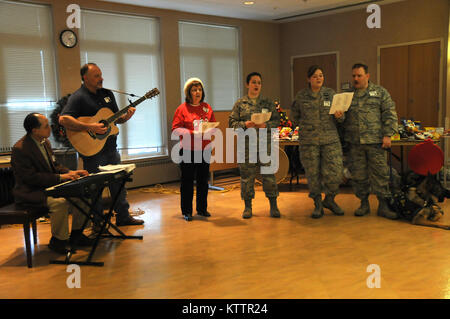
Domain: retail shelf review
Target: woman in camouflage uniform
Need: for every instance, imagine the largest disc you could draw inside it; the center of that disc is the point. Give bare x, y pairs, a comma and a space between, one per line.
320, 147
240, 117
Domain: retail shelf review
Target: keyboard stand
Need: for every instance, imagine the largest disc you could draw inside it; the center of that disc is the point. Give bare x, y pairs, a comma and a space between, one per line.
104, 231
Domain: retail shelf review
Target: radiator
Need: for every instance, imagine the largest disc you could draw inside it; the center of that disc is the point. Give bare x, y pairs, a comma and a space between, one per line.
154, 172
6, 186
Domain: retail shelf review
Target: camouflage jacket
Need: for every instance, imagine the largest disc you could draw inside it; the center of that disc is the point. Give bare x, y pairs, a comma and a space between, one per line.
311, 114
243, 110
371, 116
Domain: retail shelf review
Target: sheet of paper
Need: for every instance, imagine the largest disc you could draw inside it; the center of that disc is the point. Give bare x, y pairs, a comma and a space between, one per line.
208, 125
119, 167
341, 102
260, 118
5, 159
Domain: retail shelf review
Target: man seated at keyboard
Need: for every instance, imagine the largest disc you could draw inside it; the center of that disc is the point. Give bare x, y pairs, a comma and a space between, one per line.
35, 169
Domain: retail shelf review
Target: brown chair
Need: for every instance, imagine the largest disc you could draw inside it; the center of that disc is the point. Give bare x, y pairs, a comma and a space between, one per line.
11, 213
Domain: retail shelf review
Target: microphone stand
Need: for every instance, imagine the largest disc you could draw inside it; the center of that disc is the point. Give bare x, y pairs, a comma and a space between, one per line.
121, 92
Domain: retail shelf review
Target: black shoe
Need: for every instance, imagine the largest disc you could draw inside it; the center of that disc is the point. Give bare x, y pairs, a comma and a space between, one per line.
129, 221
247, 213
59, 246
96, 228
188, 217
79, 239
205, 214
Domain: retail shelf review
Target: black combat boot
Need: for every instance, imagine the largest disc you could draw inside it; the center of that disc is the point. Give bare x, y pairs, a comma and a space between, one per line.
364, 209
384, 210
274, 212
330, 204
318, 207
248, 209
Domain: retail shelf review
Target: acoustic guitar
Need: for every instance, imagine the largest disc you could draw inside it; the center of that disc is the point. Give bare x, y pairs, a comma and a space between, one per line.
88, 143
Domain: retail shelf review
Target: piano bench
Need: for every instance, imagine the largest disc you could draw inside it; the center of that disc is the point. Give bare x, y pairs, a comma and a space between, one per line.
25, 215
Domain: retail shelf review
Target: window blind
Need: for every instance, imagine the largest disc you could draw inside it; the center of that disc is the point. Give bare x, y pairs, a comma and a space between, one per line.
127, 50
211, 53
27, 67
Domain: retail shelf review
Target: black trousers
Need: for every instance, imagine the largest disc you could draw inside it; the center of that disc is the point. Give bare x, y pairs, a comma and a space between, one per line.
190, 172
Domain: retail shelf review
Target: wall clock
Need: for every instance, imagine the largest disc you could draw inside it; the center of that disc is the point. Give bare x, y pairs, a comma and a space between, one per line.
68, 38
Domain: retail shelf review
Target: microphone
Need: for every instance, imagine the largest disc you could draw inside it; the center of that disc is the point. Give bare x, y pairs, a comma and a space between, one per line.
121, 92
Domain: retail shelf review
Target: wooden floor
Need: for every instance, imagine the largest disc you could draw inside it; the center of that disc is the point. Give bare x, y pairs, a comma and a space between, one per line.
226, 256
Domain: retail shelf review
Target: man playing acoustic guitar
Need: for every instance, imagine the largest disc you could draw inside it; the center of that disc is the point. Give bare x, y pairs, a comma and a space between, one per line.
86, 102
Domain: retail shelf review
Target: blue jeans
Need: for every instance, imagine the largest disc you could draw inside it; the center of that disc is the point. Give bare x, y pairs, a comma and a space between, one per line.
106, 157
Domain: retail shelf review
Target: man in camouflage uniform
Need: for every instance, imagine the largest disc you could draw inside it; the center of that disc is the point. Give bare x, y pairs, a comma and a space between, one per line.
240, 117
369, 124
320, 147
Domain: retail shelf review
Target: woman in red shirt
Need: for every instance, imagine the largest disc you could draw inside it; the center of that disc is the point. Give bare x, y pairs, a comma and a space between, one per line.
195, 151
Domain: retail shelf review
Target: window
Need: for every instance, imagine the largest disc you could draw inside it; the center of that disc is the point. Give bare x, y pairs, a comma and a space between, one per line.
127, 50
211, 53
27, 67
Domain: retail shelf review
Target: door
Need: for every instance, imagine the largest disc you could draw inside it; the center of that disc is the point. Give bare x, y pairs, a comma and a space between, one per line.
411, 75
423, 88
394, 77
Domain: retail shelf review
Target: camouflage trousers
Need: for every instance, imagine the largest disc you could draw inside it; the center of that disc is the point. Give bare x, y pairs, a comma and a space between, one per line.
369, 170
323, 168
248, 173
